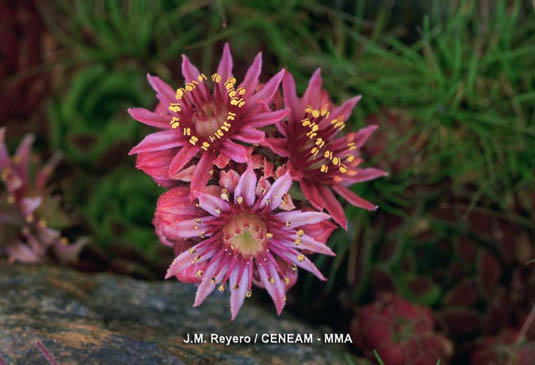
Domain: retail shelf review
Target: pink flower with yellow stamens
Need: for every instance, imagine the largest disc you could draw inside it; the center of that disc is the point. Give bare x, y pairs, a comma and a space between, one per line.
318, 157
25, 234
199, 126
243, 235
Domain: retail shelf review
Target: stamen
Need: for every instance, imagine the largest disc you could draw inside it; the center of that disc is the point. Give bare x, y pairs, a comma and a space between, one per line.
301, 258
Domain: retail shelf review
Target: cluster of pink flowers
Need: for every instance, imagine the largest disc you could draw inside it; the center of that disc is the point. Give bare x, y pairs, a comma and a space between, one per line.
229, 153
25, 208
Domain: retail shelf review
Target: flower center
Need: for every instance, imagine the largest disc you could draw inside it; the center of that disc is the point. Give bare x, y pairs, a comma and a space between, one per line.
209, 118
245, 233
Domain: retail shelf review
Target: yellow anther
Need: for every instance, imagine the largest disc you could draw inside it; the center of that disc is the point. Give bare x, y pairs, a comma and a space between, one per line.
197, 258
336, 161
219, 133
350, 158
175, 107
305, 122
64, 241
297, 241
229, 85
239, 200
308, 109
216, 78
232, 93
315, 113
294, 267
269, 235
29, 218
205, 145
187, 131
248, 294
315, 128
286, 280
198, 273
301, 258
212, 280
313, 150
201, 77
242, 103
300, 233
221, 288
224, 196
179, 93
42, 223
323, 112
271, 280
343, 170
193, 140
192, 250
324, 168
334, 121
232, 80
319, 141
241, 91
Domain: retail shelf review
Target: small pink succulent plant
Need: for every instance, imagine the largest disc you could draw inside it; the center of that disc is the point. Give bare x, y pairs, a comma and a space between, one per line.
229, 157
400, 332
25, 204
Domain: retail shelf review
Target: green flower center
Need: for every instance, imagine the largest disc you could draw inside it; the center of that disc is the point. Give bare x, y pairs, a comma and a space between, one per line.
245, 233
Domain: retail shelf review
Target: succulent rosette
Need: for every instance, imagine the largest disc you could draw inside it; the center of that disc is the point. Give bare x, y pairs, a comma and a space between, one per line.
400, 332
319, 157
25, 205
202, 128
245, 237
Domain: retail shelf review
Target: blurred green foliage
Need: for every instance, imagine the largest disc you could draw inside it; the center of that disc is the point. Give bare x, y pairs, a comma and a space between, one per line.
450, 84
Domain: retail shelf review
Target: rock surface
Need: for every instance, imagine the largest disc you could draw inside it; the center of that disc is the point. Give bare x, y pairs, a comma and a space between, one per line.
105, 319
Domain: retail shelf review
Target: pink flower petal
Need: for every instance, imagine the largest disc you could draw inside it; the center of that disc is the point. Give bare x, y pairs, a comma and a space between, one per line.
298, 218
300, 260
260, 120
229, 179
23, 155
201, 175
310, 191
191, 73
277, 191
249, 135
290, 97
45, 172
266, 93
362, 135
156, 165
181, 159
312, 94
246, 187
236, 152
225, 65
188, 258
275, 289
237, 293
308, 243
159, 141
353, 198
250, 80
278, 146
333, 206
366, 175
206, 286
212, 204
29, 205
221, 161
185, 229
343, 110
164, 92
149, 118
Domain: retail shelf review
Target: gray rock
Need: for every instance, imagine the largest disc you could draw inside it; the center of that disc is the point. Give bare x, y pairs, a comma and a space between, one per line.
105, 319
